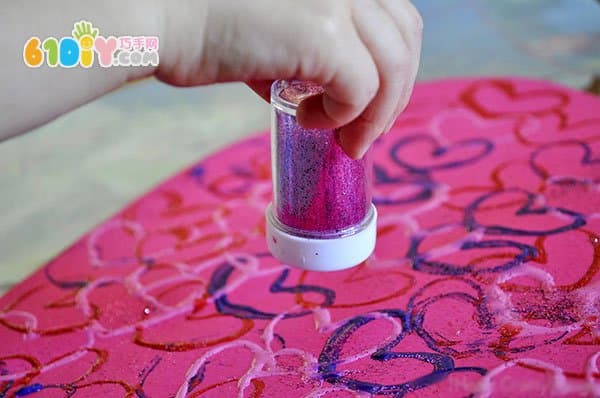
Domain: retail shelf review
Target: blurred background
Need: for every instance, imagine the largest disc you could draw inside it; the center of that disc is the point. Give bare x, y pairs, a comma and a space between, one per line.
58, 182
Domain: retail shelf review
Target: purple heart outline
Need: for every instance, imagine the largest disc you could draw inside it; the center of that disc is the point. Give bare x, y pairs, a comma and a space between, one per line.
485, 147
470, 222
420, 262
586, 158
425, 187
443, 365
220, 277
417, 310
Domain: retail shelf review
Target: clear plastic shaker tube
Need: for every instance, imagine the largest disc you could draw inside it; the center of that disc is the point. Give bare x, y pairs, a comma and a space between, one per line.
321, 217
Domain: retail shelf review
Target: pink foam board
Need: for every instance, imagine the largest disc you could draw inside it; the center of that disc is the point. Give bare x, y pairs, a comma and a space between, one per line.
484, 281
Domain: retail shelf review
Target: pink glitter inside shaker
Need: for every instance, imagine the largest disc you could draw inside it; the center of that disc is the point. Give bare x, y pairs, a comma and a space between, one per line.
319, 193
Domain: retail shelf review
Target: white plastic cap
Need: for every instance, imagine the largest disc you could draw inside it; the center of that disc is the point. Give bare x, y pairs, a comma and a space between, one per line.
314, 254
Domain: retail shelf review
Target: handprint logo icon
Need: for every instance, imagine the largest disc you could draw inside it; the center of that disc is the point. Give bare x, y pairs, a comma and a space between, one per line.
79, 50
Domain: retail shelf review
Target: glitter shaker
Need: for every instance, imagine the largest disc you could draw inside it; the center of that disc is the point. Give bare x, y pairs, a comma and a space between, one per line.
321, 217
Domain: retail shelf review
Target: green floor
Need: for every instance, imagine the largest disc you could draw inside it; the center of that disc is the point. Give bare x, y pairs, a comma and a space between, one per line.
61, 180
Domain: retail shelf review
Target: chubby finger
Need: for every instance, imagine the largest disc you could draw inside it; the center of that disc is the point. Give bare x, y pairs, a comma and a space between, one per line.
410, 25
379, 33
351, 87
408, 21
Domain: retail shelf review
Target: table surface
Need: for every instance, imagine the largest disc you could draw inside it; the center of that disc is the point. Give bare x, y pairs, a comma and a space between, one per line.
65, 178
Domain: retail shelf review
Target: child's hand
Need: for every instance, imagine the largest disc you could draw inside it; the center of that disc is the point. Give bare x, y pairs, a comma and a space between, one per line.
364, 52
